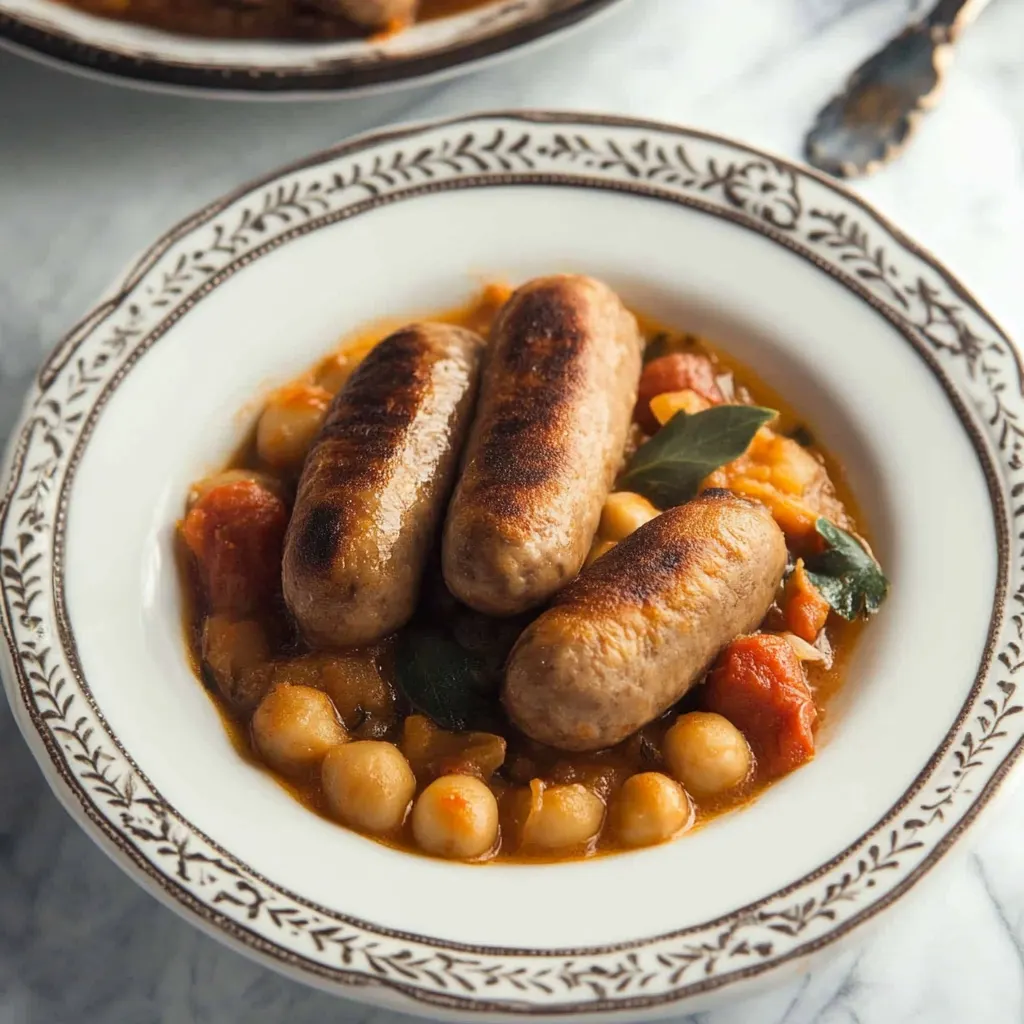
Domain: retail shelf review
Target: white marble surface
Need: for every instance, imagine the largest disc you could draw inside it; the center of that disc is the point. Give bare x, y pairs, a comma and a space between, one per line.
89, 174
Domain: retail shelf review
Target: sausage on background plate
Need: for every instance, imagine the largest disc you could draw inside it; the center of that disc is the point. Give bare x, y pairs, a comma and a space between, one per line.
623, 642
555, 405
373, 13
374, 485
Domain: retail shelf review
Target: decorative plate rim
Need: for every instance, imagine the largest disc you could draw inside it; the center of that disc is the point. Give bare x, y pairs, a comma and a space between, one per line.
973, 359
308, 78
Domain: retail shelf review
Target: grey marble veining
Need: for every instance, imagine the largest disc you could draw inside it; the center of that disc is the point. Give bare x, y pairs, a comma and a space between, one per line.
89, 174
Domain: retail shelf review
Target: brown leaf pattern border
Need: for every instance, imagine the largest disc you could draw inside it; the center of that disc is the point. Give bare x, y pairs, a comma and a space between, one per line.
792, 206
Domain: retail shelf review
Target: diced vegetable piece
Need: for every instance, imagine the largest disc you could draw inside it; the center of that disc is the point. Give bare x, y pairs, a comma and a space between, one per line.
624, 512
672, 466
678, 371
665, 406
805, 610
789, 480
759, 685
236, 533
353, 682
805, 651
235, 653
229, 476
665, 343
601, 777
433, 752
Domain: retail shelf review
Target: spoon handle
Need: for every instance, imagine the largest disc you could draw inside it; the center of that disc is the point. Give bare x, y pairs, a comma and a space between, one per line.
951, 17
872, 119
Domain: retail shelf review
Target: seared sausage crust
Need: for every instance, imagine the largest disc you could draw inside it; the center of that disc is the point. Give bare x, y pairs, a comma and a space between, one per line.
374, 485
625, 640
558, 390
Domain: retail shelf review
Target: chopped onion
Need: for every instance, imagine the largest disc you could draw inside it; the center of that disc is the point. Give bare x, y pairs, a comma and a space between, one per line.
804, 650
825, 647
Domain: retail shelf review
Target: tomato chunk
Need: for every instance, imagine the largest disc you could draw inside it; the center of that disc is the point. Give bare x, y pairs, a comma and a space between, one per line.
758, 684
679, 371
236, 533
804, 609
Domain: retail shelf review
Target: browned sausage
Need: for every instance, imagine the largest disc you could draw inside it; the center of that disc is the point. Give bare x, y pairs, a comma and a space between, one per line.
555, 404
624, 641
375, 483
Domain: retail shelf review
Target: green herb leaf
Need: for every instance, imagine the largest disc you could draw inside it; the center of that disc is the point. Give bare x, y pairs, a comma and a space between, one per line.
446, 683
669, 467
848, 577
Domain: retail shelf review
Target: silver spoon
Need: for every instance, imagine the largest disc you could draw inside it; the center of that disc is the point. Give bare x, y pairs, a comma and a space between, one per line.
872, 119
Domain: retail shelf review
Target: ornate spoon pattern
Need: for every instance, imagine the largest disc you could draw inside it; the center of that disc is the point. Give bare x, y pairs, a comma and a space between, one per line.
872, 119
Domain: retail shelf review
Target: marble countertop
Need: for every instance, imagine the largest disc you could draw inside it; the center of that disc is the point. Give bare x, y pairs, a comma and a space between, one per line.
89, 174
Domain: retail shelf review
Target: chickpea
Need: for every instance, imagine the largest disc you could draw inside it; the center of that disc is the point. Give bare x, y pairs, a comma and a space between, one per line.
289, 423
651, 808
706, 753
562, 816
294, 727
368, 785
623, 513
456, 816
676, 371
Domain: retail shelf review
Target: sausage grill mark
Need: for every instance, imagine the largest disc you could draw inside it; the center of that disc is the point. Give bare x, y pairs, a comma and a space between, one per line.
371, 414
559, 388
375, 483
630, 636
382, 396
523, 449
318, 538
651, 568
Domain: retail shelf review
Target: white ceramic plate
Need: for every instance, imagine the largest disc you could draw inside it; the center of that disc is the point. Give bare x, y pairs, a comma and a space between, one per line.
137, 55
896, 368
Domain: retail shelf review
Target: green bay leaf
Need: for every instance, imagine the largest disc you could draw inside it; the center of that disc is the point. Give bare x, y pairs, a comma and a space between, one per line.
669, 467
448, 684
847, 575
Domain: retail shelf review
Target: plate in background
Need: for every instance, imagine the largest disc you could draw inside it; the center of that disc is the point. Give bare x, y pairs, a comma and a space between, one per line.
136, 55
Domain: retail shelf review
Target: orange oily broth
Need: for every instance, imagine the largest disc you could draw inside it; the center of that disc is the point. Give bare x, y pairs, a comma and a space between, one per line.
619, 763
